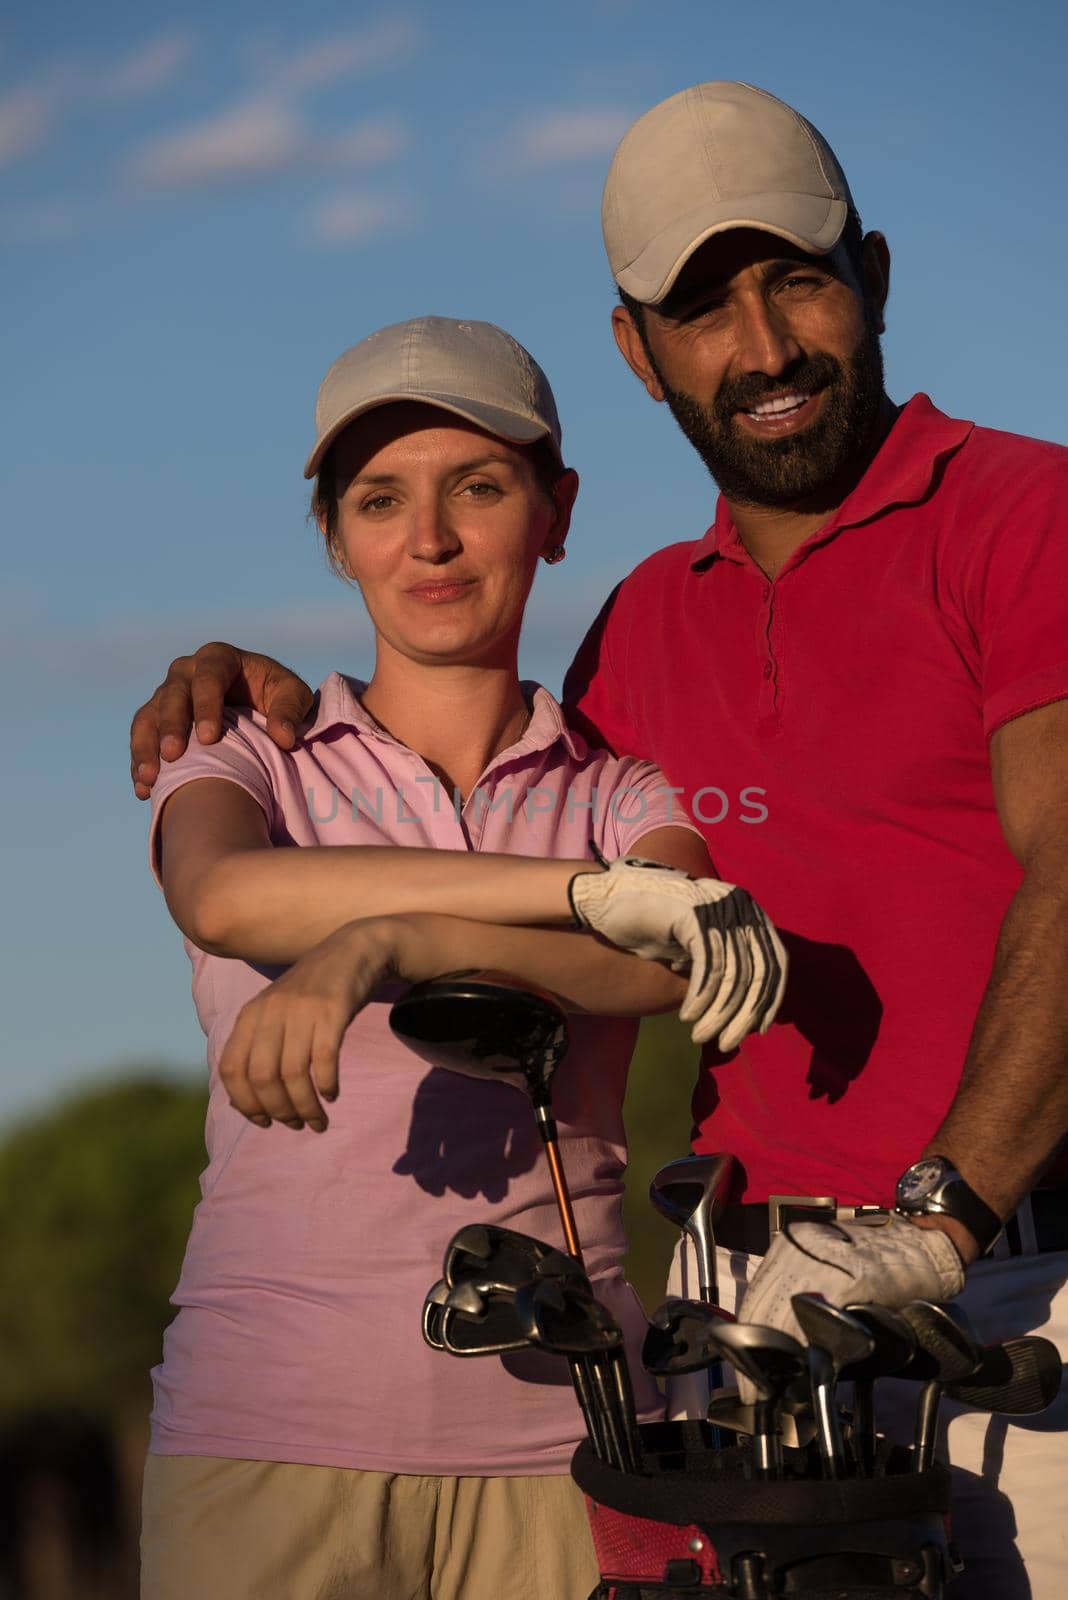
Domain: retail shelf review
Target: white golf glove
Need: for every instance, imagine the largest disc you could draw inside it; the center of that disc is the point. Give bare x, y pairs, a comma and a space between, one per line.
886, 1263
711, 929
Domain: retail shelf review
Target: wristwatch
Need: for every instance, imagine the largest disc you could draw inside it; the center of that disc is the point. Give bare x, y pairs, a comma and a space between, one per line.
934, 1187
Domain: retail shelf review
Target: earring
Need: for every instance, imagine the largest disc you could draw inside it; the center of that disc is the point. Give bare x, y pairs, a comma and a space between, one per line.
557, 553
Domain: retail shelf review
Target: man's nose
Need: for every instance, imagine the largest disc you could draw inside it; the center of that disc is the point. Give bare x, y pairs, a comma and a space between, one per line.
765, 340
431, 534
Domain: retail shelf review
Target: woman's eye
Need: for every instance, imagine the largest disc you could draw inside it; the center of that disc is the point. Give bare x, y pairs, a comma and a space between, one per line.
377, 502
480, 490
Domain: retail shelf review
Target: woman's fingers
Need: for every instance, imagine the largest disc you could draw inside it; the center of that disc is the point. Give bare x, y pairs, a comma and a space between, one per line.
233, 1068
296, 1054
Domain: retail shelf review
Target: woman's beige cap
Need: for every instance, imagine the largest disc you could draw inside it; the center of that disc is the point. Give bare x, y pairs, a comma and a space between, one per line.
717, 156
473, 369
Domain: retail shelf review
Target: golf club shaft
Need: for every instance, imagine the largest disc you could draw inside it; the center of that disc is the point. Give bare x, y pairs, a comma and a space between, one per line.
864, 1425
560, 1190
927, 1424
583, 1385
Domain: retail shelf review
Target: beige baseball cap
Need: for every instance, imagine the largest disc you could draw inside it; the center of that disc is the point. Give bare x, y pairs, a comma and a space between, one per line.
717, 156
473, 369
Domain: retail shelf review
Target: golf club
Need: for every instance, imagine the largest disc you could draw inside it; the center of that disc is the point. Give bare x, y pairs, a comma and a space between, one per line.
503, 1258
1016, 1379
487, 1025
835, 1340
945, 1337
433, 1306
675, 1338
556, 1314
771, 1360
895, 1345
692, 1192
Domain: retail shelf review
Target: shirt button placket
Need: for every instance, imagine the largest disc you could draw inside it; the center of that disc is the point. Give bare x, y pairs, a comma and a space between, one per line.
767, 685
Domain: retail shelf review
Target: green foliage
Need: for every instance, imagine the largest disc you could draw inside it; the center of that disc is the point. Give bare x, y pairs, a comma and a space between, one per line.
657, 1114
96, 1199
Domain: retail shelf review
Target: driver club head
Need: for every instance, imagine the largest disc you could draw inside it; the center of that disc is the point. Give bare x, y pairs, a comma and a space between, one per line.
485, 1025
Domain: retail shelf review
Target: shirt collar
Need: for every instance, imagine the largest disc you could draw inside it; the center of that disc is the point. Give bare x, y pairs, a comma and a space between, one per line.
337, 704
902, 473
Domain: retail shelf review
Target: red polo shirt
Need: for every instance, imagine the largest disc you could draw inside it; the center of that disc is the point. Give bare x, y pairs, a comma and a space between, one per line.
828, 732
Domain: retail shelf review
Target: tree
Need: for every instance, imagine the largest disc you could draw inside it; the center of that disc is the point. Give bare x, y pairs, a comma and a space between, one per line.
96, 1200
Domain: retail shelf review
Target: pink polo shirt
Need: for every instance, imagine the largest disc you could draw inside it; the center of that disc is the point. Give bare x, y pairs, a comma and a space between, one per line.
829, 733
298, 1329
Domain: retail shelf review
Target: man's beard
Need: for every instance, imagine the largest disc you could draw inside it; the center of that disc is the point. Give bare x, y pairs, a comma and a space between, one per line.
798, 468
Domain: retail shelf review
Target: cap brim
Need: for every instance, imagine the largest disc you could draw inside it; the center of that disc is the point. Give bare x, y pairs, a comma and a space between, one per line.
813, 223
502, 424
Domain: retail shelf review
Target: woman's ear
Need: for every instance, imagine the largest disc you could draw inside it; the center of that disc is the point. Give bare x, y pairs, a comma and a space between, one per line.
565, 489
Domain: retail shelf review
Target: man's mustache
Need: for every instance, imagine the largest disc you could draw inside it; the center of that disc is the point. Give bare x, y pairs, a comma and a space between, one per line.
808, 374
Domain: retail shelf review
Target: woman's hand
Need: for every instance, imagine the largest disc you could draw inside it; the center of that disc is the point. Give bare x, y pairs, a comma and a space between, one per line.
281, 1059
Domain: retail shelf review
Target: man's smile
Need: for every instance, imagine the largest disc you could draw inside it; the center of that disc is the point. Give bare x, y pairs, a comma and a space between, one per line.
782, 413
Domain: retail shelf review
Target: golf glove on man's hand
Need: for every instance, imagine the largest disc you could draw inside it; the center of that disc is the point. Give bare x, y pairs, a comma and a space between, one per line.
887, 1263
711, 929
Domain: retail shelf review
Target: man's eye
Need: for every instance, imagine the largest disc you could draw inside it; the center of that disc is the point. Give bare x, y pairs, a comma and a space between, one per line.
802, 281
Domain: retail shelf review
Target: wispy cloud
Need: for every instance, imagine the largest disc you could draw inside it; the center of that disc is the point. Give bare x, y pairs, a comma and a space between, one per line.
150, 67
356, 218
262, 138
564, 137
30, 114
333, 58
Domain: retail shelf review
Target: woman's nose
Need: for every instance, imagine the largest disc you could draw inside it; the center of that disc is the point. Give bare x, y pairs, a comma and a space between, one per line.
431, 534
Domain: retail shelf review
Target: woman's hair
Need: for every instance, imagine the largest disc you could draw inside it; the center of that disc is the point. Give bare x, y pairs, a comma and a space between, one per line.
548, 470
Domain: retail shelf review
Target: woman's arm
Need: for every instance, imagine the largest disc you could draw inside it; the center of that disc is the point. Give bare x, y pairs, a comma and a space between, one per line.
281, 1059
233, 894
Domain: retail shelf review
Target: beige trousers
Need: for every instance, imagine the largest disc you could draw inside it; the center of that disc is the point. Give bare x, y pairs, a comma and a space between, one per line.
216, 1529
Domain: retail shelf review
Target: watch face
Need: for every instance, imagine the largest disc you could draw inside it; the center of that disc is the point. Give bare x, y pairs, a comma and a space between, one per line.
921, 1178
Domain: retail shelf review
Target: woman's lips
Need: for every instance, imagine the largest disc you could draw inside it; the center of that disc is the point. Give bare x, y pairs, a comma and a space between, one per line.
784, 413
439, 593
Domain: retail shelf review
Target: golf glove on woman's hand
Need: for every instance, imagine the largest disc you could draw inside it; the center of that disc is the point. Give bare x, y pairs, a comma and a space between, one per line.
711, 929
885, 1263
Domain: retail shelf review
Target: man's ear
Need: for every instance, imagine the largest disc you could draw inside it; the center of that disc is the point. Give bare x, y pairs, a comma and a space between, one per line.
565, 490
875, 255
632, 348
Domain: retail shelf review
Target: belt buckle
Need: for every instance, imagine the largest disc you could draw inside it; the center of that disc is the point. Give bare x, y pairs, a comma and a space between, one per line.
780, 1203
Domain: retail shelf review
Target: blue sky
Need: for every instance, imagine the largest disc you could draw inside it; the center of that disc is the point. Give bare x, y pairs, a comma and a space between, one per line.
201, 207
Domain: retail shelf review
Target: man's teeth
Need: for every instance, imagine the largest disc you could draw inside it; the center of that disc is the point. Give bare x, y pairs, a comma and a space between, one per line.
780, 406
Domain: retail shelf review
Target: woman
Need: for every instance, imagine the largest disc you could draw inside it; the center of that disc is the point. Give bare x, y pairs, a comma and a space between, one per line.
305, 1442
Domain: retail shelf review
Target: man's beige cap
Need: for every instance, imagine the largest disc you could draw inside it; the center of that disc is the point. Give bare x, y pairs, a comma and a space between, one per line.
473, 369
717, 156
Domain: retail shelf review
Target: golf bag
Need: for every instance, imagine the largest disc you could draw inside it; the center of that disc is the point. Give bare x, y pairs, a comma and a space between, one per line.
695, 1523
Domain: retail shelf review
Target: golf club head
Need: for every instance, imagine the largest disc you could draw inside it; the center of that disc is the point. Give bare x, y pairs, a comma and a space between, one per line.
692, 1192
945, 1342
433, 1307
895, 1341
797, 1428
1016, 1379
485, 1025
557, 1315
845, 1339
674, 1340
474, 1324
502, 1258
769, 1358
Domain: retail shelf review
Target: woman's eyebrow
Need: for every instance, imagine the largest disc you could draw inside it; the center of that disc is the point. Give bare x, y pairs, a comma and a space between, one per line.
489, 459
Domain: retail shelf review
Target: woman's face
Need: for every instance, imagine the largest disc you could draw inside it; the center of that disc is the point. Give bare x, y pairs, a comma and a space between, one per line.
442, 525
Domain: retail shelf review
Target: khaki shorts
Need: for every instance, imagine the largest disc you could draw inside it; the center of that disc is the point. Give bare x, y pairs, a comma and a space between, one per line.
216, 1529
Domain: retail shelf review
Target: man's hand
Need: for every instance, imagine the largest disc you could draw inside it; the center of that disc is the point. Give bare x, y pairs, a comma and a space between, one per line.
886, 1263
281, 1059
711, 929
195, 690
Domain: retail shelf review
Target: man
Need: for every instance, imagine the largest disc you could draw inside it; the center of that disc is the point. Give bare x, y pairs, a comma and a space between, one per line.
873, 632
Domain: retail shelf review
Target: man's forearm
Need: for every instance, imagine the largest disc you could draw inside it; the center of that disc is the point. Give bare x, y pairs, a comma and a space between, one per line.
1011, 1110
271, 906
584, 972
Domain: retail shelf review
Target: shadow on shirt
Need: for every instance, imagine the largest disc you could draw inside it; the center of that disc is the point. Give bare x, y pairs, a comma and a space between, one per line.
469, 1137
835, 1007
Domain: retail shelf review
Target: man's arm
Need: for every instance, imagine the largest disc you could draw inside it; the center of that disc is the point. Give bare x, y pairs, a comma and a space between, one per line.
195, 690
1010, 1111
